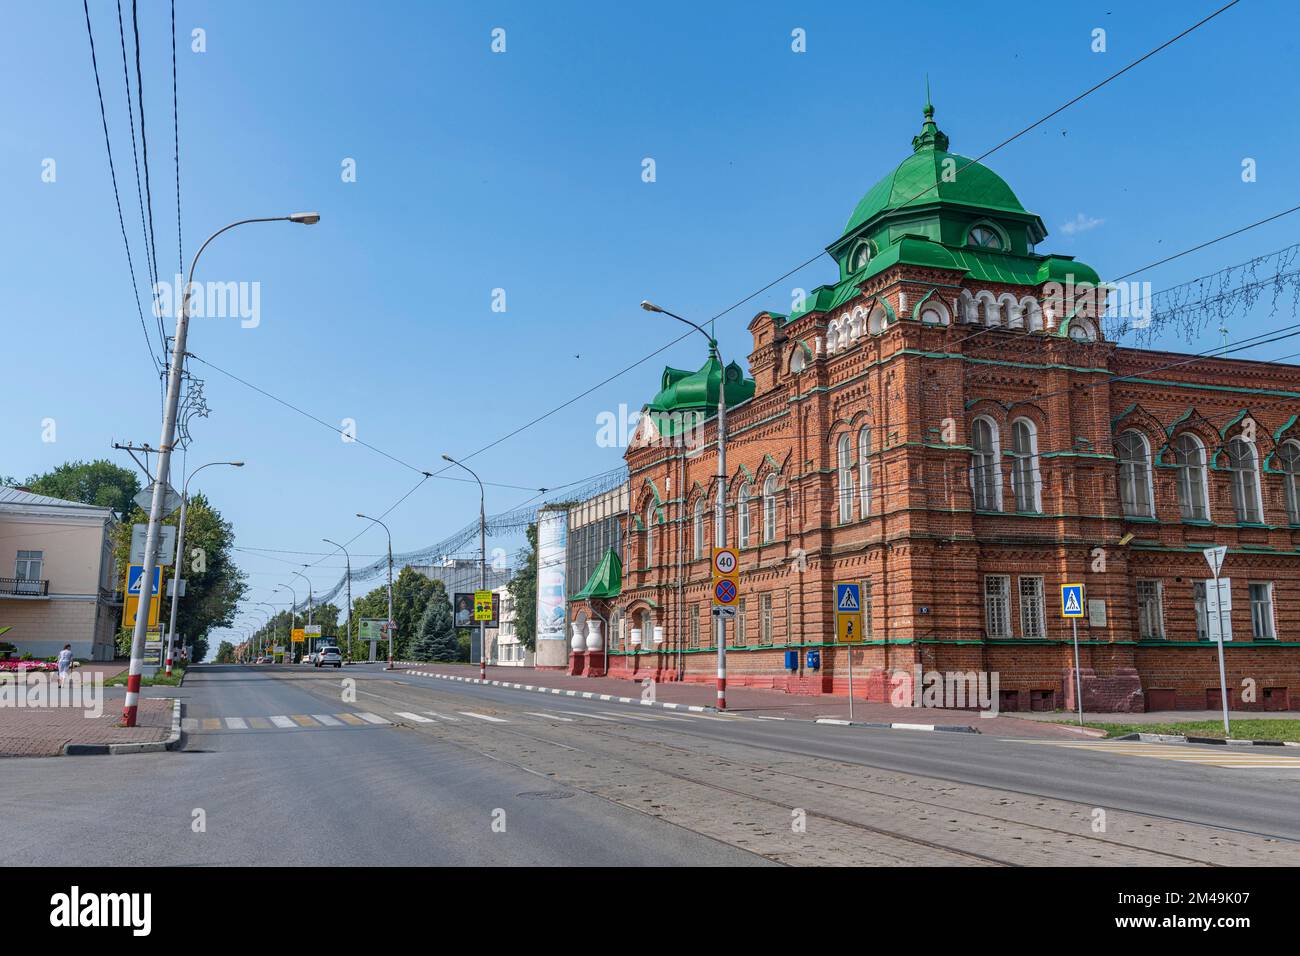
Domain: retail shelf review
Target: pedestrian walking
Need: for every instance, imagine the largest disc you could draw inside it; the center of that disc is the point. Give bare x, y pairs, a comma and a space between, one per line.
65, 662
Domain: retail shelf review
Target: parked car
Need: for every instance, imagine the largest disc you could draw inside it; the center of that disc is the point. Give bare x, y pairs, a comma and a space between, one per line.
328, 655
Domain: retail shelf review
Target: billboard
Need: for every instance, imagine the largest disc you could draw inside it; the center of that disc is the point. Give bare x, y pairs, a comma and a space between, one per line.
462, 610
552, 536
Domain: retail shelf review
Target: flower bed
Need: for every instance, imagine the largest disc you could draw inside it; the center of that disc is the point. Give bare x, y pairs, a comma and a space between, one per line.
9, 667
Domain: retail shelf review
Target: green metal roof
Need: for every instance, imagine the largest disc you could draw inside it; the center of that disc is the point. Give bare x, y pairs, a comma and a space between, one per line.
681, 390
606, 581
921, 179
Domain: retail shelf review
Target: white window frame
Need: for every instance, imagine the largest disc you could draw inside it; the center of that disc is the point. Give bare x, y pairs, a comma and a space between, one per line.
867, 603
1290, 469
844, 461
769, 509
650, 535
742, 516
1193, 480
1242, 485
697, 527
1263, 613
1001, 628
1024, 469
864, 470
1151, 609
765, 618
986, 466
1033, 612
1135, 475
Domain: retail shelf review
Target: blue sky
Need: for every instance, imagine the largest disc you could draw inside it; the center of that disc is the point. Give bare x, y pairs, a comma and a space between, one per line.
522, 171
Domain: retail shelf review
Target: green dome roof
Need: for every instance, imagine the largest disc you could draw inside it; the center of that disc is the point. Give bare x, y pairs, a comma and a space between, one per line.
919, 180
682, 389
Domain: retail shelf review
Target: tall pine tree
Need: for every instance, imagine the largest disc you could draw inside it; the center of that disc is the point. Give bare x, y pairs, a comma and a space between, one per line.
436, 636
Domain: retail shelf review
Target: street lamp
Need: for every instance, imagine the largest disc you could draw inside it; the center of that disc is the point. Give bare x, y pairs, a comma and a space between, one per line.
390, 624
153, 538
482, 565
293, 608
348, 559
270, 625
721, 534
307, 646
180, 552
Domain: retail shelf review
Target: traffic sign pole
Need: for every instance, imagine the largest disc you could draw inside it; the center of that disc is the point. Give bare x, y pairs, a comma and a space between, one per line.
1223, 678
1078, 680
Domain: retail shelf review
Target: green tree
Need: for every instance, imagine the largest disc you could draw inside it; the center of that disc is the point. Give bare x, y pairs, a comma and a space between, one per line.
214, 585
225, 653
90, 482
523, 591
436, 636
411, 594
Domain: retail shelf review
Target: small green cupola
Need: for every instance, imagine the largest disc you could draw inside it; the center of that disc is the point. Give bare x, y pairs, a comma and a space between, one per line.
940, 196
682, 390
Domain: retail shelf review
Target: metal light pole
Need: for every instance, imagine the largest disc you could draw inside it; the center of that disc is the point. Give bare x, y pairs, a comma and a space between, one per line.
390, 625
165, 443
348, 559
721, 521
270, 626
293, 619
307, 644
482, 565
180, 551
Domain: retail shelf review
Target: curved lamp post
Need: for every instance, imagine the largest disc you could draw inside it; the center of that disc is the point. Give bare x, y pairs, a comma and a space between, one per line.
390, 625
721, 533
482, 565
165, 443
348, 559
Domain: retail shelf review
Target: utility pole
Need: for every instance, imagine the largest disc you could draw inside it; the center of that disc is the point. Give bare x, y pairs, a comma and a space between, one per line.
721, 519
153, 537
482, 567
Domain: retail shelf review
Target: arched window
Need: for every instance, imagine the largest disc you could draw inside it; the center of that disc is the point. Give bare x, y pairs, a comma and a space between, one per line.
1288, 461
984, 237
797, 361
1025, 479
742, 516
650, 535
864, 469
1244, 466
719, 513
697, 528
769, 509
845, 456
1189, 459
986, 477
1134, 456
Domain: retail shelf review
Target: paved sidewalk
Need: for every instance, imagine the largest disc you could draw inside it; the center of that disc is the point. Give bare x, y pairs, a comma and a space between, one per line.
1167, 716
755, 702
43, 731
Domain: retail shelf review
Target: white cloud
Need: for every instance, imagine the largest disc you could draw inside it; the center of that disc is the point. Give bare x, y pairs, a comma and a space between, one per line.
1080, 223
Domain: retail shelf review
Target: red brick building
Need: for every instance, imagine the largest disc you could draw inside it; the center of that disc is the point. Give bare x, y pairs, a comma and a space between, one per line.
948, 425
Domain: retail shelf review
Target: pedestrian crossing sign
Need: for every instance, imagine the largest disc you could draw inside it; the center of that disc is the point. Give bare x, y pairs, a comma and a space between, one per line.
1071, 600
848, 599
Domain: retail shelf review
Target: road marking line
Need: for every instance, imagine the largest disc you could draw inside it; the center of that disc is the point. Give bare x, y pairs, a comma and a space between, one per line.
434, 713
189, 725
236, 723
534, 713
282, 721
211, 723
579, 713
327, 720
351, 719
373, 718
259, 723
302, 720
470, 713
415, 717
632, 716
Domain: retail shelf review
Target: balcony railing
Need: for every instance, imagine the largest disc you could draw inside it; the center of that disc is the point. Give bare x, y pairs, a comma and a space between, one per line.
23, 587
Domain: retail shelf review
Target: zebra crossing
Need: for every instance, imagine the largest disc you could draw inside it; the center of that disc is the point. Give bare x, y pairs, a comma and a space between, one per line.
355, 719
1231, 758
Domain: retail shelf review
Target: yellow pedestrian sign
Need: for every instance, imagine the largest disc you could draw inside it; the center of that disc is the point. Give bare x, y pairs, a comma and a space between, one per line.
482, 605
299, 635
1071, 600
848, 627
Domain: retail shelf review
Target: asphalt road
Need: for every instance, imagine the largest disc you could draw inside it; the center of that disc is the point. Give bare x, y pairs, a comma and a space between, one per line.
295, 765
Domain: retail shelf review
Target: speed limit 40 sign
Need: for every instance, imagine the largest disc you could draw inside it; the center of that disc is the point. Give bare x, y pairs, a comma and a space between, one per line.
726, 581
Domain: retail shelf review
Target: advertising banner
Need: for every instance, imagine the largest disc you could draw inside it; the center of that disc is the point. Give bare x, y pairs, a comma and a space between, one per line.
463, 609
552, 535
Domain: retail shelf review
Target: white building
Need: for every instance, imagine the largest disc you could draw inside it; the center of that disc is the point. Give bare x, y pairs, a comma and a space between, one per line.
505, 648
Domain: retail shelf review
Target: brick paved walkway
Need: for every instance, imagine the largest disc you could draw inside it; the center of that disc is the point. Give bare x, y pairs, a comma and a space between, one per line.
767, 703
42, 731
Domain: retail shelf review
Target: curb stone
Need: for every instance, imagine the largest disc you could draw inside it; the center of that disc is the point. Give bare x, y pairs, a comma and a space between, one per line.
942, 728
1179, 739
582, 694
173, 742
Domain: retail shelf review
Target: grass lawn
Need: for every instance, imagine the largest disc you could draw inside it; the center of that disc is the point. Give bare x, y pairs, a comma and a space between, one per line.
1248, 729
158, 680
